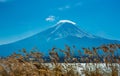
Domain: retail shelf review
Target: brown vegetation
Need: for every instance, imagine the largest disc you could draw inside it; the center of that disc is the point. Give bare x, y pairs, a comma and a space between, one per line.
33, 63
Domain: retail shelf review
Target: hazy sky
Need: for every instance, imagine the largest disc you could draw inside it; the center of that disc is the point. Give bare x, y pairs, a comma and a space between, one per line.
23, 18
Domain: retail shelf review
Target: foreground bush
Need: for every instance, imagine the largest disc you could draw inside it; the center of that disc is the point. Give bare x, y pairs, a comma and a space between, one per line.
89, 64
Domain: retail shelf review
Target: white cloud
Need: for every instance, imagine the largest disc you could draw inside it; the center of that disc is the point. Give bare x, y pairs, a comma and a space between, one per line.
50, 18
70, 6
64, 7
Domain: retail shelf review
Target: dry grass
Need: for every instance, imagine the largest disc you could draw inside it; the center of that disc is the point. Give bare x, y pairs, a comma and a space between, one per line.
33, 63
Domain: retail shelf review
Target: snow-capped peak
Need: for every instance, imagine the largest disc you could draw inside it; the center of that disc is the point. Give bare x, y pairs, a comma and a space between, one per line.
66, 28
66, 21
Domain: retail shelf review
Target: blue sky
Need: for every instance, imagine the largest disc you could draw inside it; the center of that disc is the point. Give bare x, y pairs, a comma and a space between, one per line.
22, 18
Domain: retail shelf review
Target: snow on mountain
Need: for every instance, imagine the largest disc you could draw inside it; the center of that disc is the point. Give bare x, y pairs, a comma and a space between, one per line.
66, 28
65, 32
66, 21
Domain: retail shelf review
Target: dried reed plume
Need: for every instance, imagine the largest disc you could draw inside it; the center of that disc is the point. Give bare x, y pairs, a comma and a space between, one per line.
35, 64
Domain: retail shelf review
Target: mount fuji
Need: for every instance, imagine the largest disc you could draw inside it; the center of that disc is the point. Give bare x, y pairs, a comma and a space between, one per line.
65, 32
